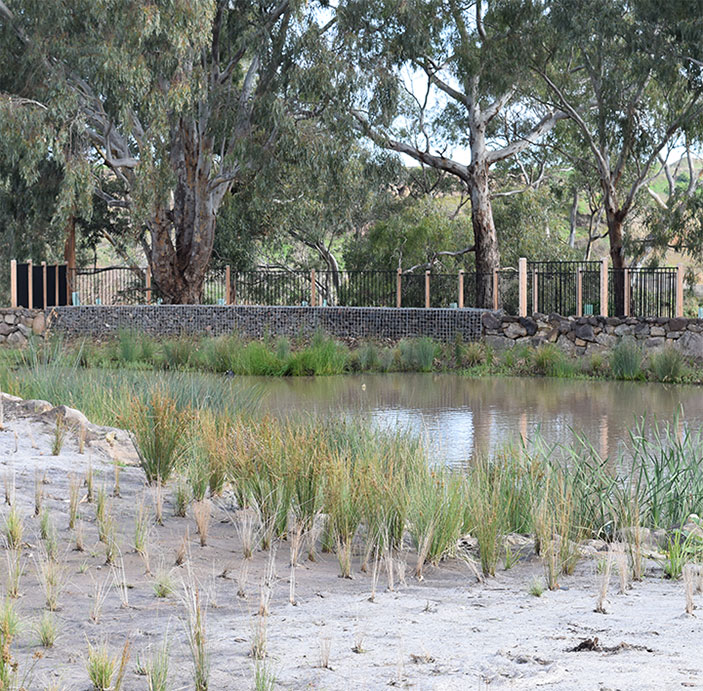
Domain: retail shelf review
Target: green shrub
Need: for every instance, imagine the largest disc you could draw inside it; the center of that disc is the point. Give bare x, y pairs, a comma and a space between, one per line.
626, 360
667, 365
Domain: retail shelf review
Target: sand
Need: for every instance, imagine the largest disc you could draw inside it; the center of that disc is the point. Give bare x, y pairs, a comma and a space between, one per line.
448, 631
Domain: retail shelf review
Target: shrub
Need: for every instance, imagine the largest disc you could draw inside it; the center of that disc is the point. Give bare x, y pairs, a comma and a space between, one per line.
667, 365
626, 360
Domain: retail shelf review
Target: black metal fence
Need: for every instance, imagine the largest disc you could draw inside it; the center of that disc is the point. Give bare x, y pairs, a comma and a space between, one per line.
553, 287
649, 292
566, 288
112, 285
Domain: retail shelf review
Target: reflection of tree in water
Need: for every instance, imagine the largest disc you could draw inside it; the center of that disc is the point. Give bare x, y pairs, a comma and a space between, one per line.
499, 409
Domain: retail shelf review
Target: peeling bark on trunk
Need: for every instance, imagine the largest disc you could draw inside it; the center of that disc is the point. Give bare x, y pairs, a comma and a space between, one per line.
182, 237
485, 238
617, 258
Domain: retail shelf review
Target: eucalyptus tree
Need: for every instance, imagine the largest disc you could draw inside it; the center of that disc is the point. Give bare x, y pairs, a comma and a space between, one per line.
173, 99
450, 75
629, 75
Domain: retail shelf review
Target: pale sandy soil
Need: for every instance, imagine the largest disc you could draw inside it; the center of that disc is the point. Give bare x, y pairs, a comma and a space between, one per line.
446, 632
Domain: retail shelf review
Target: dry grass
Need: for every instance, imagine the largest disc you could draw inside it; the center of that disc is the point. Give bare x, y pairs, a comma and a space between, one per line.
202, 512
74, 490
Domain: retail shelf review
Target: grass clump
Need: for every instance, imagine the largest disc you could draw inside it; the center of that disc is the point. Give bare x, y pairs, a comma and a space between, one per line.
667, 365
157, 426
14, 528
417, 354
626, 360
47, 630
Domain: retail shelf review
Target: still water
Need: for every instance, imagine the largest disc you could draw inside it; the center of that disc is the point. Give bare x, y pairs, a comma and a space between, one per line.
461, 416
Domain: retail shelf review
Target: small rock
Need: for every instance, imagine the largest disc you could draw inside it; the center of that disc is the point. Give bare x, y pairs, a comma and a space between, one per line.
514, 331
16, 338
39, 324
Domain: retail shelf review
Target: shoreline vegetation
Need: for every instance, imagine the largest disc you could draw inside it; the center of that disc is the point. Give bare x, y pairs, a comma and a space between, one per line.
370, 497
322, 355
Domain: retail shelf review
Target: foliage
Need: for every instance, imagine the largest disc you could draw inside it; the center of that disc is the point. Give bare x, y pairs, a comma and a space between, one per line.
667, 365
626, 360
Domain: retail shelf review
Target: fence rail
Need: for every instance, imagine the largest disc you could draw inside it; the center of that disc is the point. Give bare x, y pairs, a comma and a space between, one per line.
567, 288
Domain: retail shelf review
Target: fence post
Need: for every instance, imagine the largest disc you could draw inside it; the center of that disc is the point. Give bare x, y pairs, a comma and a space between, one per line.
56, 286
604, 287
579, 293
460, 301
535, 300
427, 289
43, 281
522, 286
30, 285
626, 273
313, 288
398, 291
495, 289
148, 285
679, 291
228, 285
13, 283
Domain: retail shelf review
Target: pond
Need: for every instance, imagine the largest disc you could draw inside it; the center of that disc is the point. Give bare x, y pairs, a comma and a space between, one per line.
461, 416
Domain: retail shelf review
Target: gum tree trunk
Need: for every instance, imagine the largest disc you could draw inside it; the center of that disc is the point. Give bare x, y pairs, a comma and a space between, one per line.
183, 234
485, 238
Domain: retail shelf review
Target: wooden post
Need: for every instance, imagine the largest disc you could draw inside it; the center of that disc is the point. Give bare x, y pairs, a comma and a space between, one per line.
535, 300
69, 297
56, 285
43, 280
427, 289
398, 290
148, 285
579, 293
30, 286
13, 283
627, 292
495, 289
604, 287
228, 285
460, 301
522, 286
679, 291
313, 288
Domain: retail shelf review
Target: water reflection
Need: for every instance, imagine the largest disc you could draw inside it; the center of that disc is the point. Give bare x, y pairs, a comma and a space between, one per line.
462, 416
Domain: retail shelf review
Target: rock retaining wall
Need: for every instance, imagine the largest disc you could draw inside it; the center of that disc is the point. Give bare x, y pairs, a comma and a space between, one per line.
17, 324
585, 335
256, 322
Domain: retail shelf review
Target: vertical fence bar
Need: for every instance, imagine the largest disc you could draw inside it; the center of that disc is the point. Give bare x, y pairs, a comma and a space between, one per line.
535, 300
579, 292
495, 289
30, 285
228, 285
56, 285
604, 287
679, 291
43, 283
427, 289
13, 283
313, 288
148, 285
398, 289
460, 301
627, 292
522, 287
